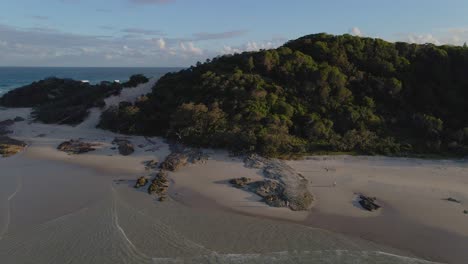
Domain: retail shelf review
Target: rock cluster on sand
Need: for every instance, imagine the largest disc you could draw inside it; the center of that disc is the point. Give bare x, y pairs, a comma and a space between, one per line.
368, 203
179, 157
125, 146
76, 146
284, 187
9, 146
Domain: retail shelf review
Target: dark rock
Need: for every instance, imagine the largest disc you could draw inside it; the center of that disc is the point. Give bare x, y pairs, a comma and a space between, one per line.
271, 191
465, 211
4, 126
141, 182
150, 164
453, 200
125, 146
240, 182
174, 161
76, 147
159, 185
255, 161
18, 119
368, 203
10, 147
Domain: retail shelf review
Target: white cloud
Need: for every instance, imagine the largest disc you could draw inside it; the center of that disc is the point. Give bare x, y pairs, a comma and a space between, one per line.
355, 31
422, 39
161, 43
253, 46
189, 47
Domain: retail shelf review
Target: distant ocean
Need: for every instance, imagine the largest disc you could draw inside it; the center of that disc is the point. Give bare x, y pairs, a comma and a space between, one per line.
14, 77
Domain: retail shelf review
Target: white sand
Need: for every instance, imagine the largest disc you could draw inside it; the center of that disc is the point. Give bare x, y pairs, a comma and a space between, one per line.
57, 208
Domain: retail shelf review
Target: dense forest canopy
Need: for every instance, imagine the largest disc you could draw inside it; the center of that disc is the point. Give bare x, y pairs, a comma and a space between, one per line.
317, 93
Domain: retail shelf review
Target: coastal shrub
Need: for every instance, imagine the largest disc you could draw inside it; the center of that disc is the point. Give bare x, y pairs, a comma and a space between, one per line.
62, 101
135, 80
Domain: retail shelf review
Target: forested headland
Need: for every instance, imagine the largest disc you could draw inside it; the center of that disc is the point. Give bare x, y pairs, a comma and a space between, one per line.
319, 93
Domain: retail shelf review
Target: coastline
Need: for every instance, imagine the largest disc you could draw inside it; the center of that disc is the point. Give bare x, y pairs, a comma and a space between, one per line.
98, 186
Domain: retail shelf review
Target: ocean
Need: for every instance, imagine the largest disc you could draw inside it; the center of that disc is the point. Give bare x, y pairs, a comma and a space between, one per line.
14, 77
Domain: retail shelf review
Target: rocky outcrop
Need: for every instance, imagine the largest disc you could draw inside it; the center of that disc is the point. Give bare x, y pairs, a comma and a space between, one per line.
174, 161
283, 186
124, 145
76, 146
159, 185
368, 203
272, 192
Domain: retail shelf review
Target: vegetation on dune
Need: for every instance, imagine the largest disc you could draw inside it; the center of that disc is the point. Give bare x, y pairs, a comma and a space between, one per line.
64, 101
317, 93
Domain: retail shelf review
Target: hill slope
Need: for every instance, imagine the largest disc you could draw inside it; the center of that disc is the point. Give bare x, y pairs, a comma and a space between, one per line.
319, 92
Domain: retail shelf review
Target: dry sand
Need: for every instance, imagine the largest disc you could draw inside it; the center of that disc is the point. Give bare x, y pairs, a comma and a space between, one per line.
60, 208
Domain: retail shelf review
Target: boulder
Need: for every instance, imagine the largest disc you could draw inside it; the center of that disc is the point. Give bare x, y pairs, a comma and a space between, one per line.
18, 119
76, 147
150, 164
4, 126
368, 203
255, 161
10, 147
124, 145
453, 200
141, 182
240, 182
159, 185
174, 161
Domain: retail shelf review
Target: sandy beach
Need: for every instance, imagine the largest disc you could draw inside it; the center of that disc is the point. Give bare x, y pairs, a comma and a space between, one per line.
61, 208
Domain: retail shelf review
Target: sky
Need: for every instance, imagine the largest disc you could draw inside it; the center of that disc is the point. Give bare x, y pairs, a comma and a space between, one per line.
178, 33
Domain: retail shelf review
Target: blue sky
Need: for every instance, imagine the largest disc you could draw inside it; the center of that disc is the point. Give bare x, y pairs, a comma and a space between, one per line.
181, 32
